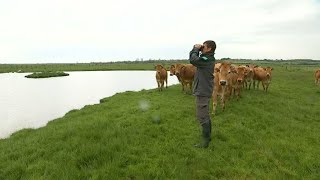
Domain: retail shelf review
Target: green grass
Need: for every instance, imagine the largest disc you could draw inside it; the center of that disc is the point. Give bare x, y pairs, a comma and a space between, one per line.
46, 74
103, 66
149, 135
138, 65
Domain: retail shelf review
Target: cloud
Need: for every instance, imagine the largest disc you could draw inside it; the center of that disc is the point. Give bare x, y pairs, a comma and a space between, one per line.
71, 31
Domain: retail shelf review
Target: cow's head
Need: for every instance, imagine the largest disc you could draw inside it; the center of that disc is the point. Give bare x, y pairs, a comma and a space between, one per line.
268, 70
250, 67
172, 70
178, 68
223, 71
241, 70
158, 68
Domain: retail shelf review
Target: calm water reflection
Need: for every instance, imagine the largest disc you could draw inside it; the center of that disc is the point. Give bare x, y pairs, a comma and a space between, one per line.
31, 103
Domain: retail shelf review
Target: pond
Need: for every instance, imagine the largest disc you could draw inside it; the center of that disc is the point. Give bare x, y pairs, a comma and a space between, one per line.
32, 103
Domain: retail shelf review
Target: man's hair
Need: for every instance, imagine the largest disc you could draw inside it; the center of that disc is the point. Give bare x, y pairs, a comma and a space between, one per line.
211, 44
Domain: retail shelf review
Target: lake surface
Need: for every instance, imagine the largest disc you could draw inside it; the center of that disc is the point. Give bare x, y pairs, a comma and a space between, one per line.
32, 103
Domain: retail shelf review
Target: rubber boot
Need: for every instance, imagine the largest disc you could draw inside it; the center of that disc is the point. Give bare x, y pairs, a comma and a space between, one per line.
206, 133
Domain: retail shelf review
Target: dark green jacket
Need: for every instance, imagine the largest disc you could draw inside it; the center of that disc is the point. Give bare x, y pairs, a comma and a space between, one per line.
203, 78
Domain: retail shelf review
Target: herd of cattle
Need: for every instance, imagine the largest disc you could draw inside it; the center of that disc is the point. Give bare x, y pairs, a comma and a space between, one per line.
228, 79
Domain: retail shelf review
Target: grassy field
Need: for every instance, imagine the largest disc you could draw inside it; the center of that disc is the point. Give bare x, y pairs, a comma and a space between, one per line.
135, 65
108, 66
46, 74
149, 135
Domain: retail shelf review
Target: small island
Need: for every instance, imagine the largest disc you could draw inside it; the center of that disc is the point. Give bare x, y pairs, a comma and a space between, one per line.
46, 74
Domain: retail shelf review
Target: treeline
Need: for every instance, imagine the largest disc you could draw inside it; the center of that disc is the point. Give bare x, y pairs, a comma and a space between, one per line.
133, 65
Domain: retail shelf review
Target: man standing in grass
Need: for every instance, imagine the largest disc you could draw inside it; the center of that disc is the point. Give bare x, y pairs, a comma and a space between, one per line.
202, 86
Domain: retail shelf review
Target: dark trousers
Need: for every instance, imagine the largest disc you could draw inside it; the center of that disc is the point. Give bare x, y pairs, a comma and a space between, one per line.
202, 109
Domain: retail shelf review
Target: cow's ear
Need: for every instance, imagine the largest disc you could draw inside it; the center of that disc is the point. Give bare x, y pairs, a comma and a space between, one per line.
255, 66
247, 65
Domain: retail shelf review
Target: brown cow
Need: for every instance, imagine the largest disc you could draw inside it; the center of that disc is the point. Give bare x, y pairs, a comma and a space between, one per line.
220, 84
317, 77
262, 74
161, 76
237, 79
173, 72
249, 75
186, 73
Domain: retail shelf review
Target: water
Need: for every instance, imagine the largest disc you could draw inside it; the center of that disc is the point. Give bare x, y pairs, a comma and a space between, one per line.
32, 103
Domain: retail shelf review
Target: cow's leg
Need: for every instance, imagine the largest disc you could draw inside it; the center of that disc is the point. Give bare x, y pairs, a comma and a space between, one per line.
264, 86
245, 84
250, 84
222, 101
162, 84
214, 103
182, 84
190, 84
186, 88
229, 91
267, 84
167, 82
158, 85
238, 92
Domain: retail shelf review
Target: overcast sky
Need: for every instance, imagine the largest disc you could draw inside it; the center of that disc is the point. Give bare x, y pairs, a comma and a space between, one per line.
41, 31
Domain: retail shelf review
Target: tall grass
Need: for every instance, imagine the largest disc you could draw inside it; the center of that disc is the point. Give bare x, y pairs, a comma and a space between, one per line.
149, 135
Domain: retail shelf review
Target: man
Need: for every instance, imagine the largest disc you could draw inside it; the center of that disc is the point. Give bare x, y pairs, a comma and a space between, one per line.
202, 86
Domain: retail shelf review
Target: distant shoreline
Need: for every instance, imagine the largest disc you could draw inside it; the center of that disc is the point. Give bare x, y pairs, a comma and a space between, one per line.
132, 65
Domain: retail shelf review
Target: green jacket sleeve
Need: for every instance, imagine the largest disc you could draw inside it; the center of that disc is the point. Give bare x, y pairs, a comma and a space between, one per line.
195, 59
